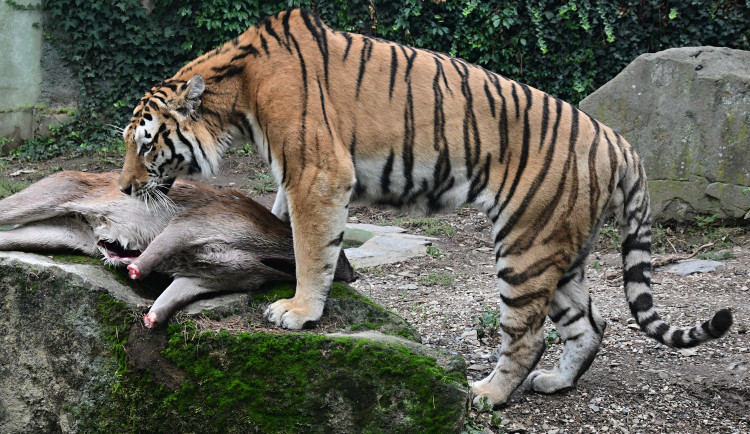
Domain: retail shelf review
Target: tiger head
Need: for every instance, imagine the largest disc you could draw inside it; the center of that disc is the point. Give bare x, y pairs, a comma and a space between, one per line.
166, 138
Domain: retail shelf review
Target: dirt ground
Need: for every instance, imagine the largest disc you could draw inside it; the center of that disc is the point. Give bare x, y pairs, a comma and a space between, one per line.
635, 385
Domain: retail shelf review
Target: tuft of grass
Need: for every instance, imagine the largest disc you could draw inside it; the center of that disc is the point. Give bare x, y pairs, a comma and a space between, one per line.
265, 182
8, 188
609, 236
441, 279
435, 252
487, 324
552, 337
717, 256
430, 226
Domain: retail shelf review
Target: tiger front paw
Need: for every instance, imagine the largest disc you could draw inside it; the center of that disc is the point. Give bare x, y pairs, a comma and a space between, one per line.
486, 399
292, 314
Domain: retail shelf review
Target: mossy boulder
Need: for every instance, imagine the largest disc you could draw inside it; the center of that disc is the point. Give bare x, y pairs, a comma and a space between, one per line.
75, 358
687, 113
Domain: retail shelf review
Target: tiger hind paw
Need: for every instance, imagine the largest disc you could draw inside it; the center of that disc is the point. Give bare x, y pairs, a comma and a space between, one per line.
548, 382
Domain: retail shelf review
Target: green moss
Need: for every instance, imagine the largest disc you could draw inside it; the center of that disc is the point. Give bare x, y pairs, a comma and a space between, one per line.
243, 382
271, 292
116, 319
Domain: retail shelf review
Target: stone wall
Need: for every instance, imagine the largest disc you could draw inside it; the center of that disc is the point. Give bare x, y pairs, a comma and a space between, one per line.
31, 74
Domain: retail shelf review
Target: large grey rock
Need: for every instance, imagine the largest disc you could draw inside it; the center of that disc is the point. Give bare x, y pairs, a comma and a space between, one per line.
687, 113
74, 357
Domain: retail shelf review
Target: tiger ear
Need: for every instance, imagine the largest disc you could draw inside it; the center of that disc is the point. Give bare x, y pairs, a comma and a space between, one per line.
195, 87
187, 99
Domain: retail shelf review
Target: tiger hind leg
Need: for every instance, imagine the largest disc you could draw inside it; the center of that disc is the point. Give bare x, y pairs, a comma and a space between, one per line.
525, 296
581, 329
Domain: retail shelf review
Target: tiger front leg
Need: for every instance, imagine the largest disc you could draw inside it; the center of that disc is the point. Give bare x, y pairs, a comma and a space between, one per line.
318, 204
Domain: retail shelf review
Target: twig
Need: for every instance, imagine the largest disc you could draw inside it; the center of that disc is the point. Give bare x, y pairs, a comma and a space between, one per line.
660, 262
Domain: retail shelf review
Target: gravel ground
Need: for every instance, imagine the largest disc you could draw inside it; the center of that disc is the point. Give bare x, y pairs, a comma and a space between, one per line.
635, 385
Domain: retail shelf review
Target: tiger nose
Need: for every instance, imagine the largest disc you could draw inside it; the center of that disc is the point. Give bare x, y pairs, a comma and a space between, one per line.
127, 189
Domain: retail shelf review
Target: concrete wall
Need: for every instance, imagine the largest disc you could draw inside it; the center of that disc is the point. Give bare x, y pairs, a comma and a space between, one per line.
31, 73
20, 68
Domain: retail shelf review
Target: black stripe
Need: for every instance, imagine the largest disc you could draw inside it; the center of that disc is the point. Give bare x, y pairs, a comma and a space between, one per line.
272, 33
364, 57
409, 61
558, 316
642, 303
545, 120
594, 191
591, 318
229, 72
323, 108
337, 241
408, 144
248, 50
184, 140
502, 125
348, 38
629, 245
565, 279
678, 338
264, 44
650, 319
470, 127
394, 68
534, 270
385, 176
637, 273
479, 182
514, 94
524, 300
283, 165
495, 215
573, 319
319, 34
305, 93
490, 98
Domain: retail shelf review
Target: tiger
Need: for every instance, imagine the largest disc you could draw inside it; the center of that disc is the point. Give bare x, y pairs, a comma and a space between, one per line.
206, 240
342, 117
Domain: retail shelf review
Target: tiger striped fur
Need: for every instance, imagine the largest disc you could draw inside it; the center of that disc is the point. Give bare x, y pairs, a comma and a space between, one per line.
342, 117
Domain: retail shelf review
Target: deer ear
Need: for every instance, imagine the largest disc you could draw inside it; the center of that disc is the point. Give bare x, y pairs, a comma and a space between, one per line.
195, 87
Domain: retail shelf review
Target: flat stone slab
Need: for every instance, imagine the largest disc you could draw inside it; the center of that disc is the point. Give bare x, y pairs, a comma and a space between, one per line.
388, 245
690, 266
91, 275
375, 229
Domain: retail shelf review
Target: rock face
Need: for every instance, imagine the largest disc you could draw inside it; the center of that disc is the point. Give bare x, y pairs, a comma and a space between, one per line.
75, 358
687, 113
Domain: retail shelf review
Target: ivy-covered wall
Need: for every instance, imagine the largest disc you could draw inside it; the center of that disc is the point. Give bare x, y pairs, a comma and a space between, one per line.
120, 48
